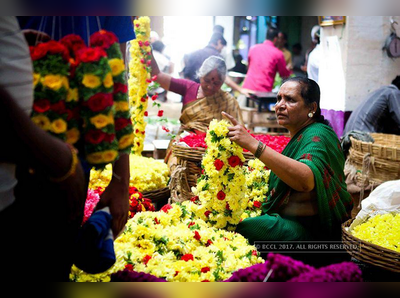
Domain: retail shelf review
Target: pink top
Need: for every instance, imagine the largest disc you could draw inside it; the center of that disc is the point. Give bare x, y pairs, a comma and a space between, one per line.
265, 60
188, 89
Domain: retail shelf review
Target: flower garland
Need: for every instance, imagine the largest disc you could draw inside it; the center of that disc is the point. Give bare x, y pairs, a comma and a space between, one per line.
73, 43
123, 123
139, 79
220, 190
174, 245
382, 230
257, 177
147, 174
96, 85
51, 86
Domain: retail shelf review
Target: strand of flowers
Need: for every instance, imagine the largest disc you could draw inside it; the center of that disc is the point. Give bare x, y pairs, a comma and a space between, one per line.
51, 85
73, 43
108, 41
139, 79
220, 191
257, 177
382, 230
96, 86
175, 245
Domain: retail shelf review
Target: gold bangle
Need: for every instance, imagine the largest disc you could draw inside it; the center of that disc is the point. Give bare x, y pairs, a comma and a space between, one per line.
72, 170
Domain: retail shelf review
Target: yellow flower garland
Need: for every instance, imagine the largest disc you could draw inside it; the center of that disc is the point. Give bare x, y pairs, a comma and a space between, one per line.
139, 80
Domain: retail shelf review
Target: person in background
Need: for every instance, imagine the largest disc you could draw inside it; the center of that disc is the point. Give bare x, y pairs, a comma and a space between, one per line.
42, 185
265, 60
239, 65
315, 56
116, 195
165, 66
379, 112
298, 60
282, 45
226, 51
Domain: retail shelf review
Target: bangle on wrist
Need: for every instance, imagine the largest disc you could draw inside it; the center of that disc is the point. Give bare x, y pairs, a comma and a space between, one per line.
260, 149
72, 169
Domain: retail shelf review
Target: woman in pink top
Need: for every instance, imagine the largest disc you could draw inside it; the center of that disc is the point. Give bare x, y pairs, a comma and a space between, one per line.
201, 102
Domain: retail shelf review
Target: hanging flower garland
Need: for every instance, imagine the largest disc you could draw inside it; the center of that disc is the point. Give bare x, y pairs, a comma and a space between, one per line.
51, 86
96, 86
73, 43
174, 245
123, 124
221, 188
257, 177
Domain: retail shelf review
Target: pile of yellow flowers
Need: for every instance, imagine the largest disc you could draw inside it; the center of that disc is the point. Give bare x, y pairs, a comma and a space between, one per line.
382, 230
139, 79
175, 245
257, 177
147, 174
221, 189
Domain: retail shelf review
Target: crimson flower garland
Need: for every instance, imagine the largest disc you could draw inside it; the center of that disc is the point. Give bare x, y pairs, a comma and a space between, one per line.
51, 86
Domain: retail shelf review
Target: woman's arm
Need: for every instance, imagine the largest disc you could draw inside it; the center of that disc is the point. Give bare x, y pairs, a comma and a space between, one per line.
163, 79
295, 174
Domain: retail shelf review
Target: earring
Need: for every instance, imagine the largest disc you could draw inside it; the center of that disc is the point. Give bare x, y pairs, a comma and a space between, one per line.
310, 115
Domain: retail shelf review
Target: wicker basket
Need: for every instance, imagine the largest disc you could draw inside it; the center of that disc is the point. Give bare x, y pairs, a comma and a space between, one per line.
368, 252
376, 162
158, 197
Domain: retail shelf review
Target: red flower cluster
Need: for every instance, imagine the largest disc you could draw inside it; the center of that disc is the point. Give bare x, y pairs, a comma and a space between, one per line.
100, 101
73, 43
51, 47
234, 161
103, 39
121, 123
197, 236
187, 257
120, 88
88, 55
195, 140
218, 164
221, 195
146, 259
96, 136
166, 207
138, 203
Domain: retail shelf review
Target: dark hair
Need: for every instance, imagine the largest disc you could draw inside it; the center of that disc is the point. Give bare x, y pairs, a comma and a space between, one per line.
215, 37
158, 46
272, 33
219, 29
396, 82
310, 92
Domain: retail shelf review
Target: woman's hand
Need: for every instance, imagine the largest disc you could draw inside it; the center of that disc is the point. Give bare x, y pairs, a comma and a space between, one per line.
239, 134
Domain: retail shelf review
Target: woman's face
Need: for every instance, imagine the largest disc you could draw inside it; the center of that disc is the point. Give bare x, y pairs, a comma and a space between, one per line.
291, 110
211, 83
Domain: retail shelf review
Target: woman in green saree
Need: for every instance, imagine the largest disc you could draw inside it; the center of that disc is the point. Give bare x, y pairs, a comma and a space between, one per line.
307, 197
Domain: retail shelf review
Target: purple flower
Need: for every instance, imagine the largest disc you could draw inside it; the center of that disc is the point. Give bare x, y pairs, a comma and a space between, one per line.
133, 276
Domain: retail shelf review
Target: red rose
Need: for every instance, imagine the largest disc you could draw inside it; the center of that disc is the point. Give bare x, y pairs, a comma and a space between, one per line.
194, 199
129, 267
197, 236
41, 105
100, 102
207, 213
257, 204
121, 123
254, 253
209, 242
234, 161
154, 97
218, 164
146, 113
109, 138
166, 208
221, 195
160, 113
58, 107
156, 221
205, 269
191, 224
103, 39
187, 257
38, 52
227, 207
90, 54
94, 136
54, 47
146, 259
120, 88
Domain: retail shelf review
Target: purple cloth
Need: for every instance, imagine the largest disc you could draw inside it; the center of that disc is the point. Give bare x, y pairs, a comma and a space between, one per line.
188, 89
337, 120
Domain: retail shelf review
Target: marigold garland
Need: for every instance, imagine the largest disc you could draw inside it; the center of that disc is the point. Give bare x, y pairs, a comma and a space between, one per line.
139, 79
51, 87
123, 124
382, 230
221, 188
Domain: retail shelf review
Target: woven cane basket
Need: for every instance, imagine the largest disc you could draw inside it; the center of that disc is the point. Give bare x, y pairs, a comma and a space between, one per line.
376, 162
158, 197
368, 252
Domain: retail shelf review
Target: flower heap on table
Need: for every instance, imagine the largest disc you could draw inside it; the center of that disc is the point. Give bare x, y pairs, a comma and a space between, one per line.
108, 41
147, 174
139, 80
382, 230
220, 191
51, 87
175, 245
